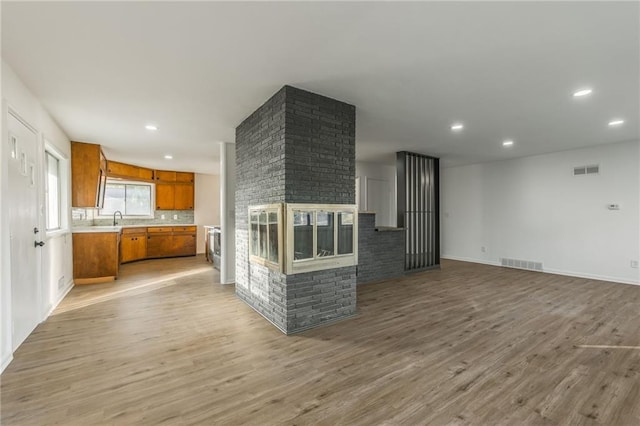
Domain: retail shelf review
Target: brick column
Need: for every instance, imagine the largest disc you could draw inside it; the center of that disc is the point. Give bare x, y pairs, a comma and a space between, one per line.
298, 147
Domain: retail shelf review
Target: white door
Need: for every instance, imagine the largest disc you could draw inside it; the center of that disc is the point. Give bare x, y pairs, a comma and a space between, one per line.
379, 200
23, 224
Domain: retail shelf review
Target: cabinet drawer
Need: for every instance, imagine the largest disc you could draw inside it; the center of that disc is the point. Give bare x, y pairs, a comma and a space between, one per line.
134, 230
157, 229
184, 229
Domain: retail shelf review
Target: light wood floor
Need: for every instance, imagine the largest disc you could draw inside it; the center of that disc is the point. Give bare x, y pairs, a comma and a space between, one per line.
469, 344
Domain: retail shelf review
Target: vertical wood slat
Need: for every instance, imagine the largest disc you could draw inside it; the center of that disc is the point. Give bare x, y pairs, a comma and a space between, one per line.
418, 209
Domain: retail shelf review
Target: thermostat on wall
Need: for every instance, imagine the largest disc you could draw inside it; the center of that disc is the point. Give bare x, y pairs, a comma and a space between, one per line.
613, 206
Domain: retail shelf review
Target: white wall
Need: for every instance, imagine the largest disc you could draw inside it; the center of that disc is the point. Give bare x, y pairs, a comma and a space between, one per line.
207, 205
228, 213
533, 208
367, 171
56, 254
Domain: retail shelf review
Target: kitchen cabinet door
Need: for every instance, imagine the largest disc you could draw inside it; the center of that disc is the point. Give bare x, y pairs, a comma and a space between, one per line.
159, 245
185, 177
95, 257
184, 196
85, 174
165, 196
165, 175
133, 247
184, 244
122, 170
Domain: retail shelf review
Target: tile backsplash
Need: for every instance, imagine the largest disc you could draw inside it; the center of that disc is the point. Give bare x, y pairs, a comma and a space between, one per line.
88, 217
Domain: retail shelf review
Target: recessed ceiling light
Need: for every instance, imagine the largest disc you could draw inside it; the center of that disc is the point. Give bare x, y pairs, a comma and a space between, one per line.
616, 122
582, 92
168, 157
151, 127
456, 127
508, 142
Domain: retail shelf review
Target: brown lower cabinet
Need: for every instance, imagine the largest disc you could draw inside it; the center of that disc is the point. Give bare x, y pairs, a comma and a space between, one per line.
169, 241
133, 245
95, 257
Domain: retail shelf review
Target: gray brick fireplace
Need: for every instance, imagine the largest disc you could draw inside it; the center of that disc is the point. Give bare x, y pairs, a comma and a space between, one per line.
298, 147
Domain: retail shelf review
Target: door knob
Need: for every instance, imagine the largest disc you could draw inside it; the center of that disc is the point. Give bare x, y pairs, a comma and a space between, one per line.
38, 243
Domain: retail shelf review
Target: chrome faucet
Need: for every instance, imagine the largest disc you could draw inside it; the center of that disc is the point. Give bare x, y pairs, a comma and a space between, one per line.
114, 216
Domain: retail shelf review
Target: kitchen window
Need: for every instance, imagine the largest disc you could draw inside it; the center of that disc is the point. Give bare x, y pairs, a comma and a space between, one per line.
265, 235
133, 199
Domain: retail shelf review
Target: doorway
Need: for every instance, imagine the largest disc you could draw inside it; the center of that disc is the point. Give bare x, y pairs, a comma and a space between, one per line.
24, 229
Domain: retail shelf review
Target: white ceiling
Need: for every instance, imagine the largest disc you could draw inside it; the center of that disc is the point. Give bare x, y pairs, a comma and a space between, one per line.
505, 69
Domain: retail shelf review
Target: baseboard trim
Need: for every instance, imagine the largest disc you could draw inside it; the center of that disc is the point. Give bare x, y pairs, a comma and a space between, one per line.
470, 259
550, 271
64, 293
6, 362
592, 277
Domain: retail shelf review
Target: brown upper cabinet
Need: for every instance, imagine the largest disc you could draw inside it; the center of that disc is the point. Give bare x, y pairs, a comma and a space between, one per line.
165, 176
174, 190
183, 196
170, 176
90, 168
128, 171
185, 177
87, 173
174, 196
165, 196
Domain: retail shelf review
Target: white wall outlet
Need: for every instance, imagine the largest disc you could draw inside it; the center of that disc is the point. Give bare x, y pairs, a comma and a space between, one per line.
483, 249
162, 216
175, 217
634, 264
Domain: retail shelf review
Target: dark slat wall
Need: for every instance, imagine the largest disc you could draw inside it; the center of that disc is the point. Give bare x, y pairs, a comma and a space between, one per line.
419, 209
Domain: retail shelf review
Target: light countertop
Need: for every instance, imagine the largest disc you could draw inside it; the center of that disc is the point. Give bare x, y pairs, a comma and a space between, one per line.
118, 228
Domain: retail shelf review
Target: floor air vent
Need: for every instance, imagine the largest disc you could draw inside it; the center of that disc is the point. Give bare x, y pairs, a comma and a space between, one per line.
522, 264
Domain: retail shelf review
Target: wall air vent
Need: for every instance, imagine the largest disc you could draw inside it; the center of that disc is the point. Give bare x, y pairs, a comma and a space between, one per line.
521, 264
592, 169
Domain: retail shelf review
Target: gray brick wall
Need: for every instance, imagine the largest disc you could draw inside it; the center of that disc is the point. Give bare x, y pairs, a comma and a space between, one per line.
260, 179
380, 254
320, 296
320, 153
298, 147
